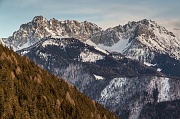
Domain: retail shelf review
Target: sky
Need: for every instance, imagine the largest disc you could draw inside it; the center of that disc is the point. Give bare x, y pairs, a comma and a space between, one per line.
104, 13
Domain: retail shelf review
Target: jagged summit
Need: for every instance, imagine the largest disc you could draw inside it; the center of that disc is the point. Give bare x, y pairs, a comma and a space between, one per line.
39, 18
118, 38
40, 27
144, 34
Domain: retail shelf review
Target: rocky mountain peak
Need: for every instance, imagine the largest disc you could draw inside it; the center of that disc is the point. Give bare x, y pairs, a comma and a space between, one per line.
119, 28
146, 33
129, 31
145, 41
40, 27
39, 19
153, 26
146, 21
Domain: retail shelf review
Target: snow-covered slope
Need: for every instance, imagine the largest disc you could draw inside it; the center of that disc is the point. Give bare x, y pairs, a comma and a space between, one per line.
89, 42
40, 27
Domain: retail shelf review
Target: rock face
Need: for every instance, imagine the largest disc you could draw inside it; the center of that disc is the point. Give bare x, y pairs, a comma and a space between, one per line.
40, 27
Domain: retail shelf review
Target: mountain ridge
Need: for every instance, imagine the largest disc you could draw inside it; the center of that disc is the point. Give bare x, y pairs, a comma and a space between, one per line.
40, 27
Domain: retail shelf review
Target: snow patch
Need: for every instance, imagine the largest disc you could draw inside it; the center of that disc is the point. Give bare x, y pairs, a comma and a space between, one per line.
49, 42
120, 46
158, 69
24, 52
98, 77
101, 50
89, 42
149, 64
60, 36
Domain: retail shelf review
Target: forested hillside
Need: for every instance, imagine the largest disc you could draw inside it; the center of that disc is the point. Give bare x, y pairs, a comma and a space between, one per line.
27, 91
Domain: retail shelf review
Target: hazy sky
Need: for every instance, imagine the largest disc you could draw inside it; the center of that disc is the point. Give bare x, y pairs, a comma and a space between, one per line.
105, 13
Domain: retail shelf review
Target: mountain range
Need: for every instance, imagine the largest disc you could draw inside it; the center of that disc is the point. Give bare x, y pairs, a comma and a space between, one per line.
131, 69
